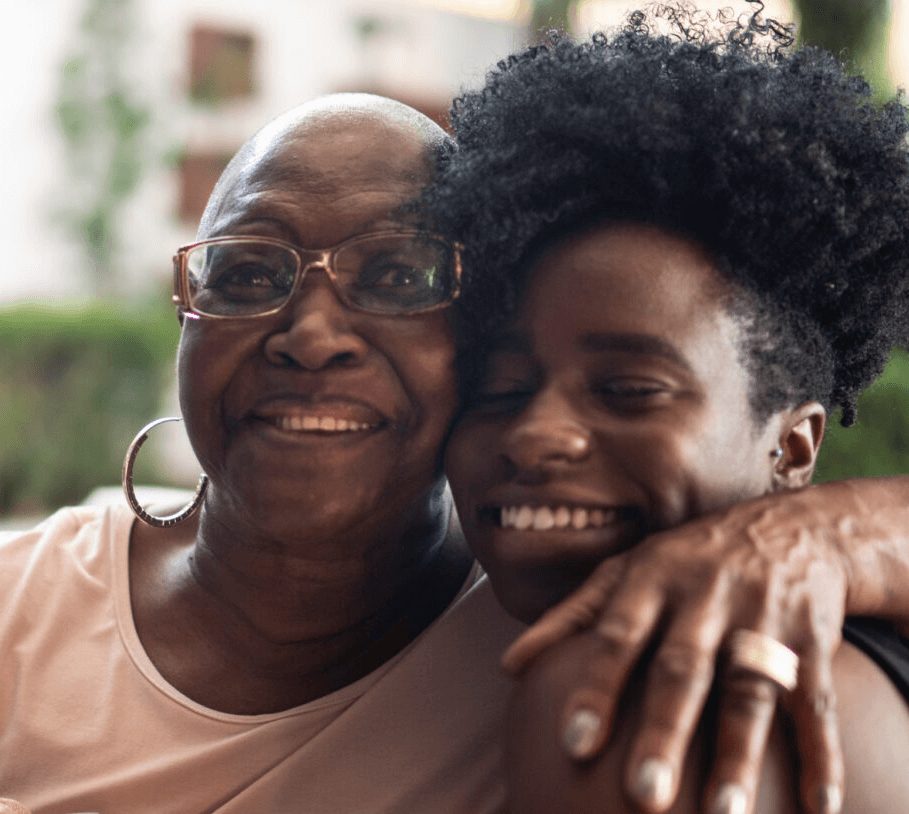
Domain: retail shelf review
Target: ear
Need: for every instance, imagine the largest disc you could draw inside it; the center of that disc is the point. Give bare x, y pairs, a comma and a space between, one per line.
801, 433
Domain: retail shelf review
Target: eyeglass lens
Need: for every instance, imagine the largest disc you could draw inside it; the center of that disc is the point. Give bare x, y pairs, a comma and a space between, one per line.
380, 273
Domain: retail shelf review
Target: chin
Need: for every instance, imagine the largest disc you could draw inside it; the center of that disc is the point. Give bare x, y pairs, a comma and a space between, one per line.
528, 599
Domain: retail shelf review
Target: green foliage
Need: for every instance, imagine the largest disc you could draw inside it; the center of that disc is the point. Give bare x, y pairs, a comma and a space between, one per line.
547, 14
103, 126
77, 384
879, 442
853, 29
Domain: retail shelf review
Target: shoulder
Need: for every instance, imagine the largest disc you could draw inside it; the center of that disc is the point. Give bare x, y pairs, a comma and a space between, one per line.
70, 548
874, 724
874, 720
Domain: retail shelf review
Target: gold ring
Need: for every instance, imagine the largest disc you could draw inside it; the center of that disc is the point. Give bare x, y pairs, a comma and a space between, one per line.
762, 654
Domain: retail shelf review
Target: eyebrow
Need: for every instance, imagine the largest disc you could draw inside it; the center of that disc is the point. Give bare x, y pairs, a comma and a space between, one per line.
515, 341
641, 344
287, 233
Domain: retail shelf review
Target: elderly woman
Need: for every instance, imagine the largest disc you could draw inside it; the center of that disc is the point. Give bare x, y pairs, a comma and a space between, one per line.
313, 633
302, 640
704, 251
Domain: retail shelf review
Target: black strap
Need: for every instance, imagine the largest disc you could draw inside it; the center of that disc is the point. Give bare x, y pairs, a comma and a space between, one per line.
884, 645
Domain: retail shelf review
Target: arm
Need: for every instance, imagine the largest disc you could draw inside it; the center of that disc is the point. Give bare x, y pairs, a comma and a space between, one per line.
543, 780
791, 564
868, 521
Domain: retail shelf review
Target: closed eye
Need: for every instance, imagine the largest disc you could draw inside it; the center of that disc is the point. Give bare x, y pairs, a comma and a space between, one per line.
631, 394
501, 397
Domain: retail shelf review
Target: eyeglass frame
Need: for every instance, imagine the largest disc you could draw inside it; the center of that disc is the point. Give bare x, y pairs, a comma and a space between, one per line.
325, 261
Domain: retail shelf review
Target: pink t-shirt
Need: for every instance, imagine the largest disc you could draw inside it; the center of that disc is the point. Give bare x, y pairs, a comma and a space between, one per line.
87, 724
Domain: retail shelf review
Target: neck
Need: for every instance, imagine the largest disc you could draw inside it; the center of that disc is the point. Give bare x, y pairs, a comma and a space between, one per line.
287, 626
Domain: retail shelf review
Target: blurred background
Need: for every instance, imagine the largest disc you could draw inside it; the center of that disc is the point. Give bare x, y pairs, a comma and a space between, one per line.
119, 116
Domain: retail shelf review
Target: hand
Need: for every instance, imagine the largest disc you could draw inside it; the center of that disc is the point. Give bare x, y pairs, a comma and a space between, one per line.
765, 565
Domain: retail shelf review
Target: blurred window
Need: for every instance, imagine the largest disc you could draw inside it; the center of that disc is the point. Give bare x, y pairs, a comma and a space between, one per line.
220, 64
198, 174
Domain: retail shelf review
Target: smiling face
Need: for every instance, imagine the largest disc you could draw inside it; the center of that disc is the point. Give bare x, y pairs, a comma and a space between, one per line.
614, 405
319, 421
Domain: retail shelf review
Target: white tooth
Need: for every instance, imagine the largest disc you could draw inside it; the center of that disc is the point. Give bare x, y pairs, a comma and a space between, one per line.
579, 519
327, 423
506, 517
523, 518
543, 519
341, 424
310, 422
562, 517
295, 422
597, 518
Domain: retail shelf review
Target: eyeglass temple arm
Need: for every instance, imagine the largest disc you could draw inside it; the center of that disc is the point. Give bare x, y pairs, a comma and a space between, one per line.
179, 298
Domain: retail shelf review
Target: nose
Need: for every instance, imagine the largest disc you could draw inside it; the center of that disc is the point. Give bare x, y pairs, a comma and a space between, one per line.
317, 329
546, 437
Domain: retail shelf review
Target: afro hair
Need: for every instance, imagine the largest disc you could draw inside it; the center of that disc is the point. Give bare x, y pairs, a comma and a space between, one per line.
775, 159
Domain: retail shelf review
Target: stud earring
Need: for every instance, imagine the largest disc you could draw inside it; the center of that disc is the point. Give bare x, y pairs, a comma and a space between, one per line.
129, 491
777, 453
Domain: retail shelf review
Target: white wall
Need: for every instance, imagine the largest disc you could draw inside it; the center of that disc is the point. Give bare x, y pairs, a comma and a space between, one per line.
304, 48
37, 259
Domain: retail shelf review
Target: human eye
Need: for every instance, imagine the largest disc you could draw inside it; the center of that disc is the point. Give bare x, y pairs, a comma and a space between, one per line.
506, 388
397, 272
631, 393
246, 277
398, 277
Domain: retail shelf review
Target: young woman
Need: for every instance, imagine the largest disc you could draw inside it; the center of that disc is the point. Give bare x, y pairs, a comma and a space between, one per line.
701, 250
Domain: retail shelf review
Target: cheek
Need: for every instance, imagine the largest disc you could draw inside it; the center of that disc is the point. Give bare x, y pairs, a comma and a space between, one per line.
424, 360
470, 458
668, 464
691, 473
208, 358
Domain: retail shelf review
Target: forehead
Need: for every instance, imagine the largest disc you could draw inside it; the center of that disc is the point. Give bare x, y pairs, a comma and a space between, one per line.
631, 275
323, 178
635, 290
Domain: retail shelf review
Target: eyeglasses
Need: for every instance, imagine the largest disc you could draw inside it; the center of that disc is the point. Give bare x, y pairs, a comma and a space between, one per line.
389, 272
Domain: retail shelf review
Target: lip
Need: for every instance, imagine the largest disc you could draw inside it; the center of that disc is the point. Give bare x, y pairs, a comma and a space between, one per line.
607, 528
551, 517
323, 415
553, 495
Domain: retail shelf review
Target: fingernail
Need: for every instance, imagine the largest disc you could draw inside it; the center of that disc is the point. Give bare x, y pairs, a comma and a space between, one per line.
830, 799
730, 798
580, 736
653, 783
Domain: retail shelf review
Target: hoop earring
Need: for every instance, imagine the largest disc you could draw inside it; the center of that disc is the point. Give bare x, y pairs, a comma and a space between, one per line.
144, 516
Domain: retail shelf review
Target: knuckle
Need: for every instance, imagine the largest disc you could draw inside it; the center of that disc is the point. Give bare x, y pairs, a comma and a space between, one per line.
750, 695
822, 702
677, 663
616, 634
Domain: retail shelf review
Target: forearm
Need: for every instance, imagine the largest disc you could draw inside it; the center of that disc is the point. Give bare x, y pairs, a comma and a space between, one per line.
867, 520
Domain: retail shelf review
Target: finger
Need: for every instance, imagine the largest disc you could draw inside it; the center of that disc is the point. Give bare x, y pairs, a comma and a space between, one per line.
813, 706
577, 612
747, 705
620, 636
677, 685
